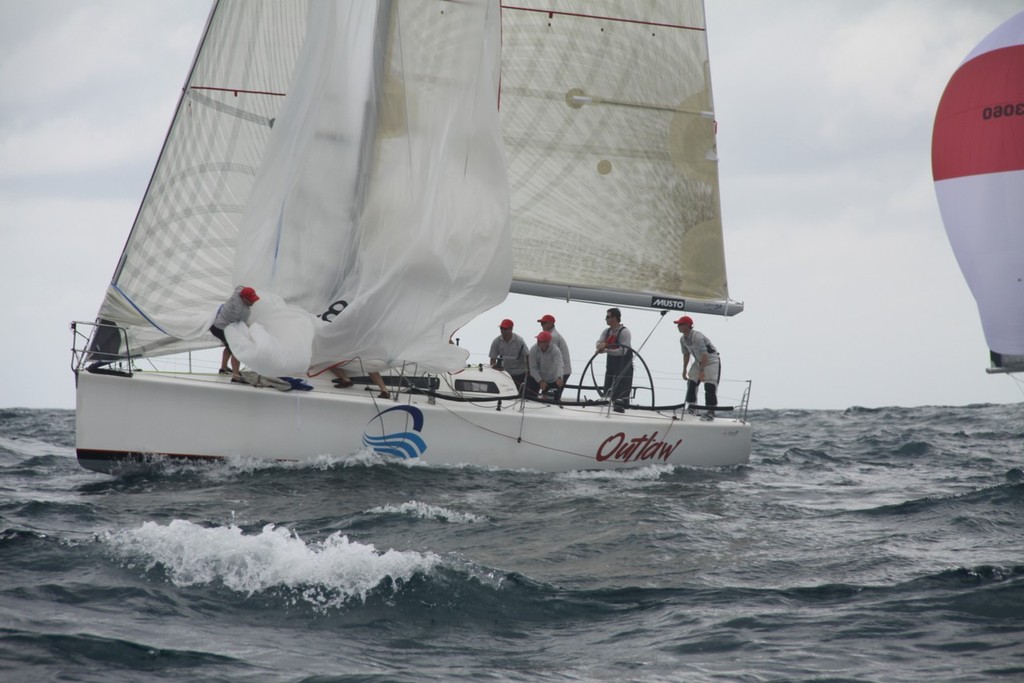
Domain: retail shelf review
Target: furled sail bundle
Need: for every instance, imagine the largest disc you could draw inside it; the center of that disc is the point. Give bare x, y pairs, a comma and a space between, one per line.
978, 167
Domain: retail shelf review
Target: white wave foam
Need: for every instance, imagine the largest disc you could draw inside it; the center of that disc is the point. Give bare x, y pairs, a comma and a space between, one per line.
32, 447
648, 473
362, 457
233, 465
426, 511
325, 573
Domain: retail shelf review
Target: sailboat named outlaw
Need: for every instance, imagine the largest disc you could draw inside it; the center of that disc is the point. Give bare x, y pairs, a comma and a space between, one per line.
381, 172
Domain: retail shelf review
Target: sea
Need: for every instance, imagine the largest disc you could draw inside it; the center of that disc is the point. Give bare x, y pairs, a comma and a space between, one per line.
856, 545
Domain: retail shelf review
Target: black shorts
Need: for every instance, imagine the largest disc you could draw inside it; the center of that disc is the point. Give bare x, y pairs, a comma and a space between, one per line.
219, 334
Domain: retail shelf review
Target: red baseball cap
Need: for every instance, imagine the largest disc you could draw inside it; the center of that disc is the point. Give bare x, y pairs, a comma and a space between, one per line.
249, 294
547, 319
685, 320
506, 324
544, 336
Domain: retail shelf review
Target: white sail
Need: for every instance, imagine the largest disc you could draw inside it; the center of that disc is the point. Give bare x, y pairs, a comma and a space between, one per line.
978, 167
614, 170
383, 163
384, 184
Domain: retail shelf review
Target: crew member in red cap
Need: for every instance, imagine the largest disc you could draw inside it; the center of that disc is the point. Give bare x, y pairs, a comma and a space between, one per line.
545, 367
707, 366
547, 323
234, 310
509, 353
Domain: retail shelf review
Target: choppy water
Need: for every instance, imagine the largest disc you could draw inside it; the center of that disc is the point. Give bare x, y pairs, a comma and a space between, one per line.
858, 545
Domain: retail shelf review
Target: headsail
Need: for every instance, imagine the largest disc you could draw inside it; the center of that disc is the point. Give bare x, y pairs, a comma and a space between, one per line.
608, 121
978, 167
177, 263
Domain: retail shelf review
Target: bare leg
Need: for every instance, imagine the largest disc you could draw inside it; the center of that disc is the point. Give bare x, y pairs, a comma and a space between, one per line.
379, 381
343, 376
225, 354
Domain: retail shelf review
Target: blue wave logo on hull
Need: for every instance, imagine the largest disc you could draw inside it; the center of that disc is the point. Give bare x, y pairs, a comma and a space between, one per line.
401, 442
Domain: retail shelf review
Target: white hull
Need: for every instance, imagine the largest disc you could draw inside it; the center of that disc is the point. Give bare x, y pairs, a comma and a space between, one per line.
124, 418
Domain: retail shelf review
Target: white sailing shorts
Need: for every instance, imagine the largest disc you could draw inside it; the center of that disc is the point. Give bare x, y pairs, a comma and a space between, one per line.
712, 371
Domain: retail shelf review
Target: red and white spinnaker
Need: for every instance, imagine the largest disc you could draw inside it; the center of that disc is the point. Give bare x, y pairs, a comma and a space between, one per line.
978, 167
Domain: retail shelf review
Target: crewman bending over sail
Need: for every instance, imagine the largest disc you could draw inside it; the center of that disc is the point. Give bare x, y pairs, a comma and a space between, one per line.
234, 310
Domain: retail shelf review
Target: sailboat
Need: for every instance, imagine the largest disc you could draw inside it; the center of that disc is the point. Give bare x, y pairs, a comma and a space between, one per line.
381, 172
978, 167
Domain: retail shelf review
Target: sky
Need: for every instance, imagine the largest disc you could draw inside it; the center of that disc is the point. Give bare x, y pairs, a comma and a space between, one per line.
832, 232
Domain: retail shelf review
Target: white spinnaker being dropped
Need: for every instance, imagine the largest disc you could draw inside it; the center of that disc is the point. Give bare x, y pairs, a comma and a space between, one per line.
380, 181
384, 184
978, 167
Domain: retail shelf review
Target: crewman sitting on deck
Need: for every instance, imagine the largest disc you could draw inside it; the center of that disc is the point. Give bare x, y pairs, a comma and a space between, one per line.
545, 367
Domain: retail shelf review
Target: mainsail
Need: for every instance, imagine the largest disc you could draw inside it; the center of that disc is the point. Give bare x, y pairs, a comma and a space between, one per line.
978, 167
607, 114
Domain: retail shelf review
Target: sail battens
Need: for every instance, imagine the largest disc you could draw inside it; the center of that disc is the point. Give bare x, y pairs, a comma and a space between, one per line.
593, 99
234, 111
236, 91
580, 15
